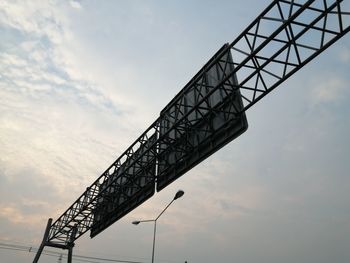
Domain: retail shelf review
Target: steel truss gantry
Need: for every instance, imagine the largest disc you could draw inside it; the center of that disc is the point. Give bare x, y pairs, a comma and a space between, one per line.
281, 40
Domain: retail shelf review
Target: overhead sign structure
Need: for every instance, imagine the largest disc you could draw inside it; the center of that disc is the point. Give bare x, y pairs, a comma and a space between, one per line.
129, 186
208, 113
204, 116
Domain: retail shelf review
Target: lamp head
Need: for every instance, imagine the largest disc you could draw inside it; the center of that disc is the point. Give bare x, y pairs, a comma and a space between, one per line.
179, 194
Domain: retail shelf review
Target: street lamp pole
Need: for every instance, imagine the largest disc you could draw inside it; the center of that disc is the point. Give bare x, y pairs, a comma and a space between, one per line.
154, 239
177, 195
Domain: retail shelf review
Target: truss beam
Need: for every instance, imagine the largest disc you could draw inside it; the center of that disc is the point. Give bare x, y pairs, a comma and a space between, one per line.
281, 40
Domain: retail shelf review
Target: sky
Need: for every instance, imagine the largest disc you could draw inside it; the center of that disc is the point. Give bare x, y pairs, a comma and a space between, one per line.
81, 80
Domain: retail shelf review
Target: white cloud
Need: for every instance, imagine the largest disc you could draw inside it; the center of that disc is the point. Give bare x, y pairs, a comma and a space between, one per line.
75, 4
328, 90
38, 18
48, 46
53, 118
12, 60
13, 214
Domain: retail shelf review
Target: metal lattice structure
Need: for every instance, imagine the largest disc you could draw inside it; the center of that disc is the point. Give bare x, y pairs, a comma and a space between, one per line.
280, 41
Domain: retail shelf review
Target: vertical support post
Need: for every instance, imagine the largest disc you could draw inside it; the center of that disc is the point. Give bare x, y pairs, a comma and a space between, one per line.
70, 254
71, 244
154, 239
43, 243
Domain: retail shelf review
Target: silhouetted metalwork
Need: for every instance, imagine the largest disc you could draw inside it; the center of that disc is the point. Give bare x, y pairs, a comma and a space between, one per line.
129, 185
203, 117
209, 111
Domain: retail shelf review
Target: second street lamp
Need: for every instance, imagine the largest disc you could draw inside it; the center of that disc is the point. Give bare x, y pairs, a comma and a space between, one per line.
178, 194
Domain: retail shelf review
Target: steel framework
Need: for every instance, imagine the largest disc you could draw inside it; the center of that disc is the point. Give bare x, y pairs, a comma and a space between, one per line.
281, 40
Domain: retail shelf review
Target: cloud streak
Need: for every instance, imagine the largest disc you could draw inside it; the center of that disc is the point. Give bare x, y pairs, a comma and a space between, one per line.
54, 126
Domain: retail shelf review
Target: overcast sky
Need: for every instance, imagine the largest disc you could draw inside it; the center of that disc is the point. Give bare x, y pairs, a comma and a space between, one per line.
81, 80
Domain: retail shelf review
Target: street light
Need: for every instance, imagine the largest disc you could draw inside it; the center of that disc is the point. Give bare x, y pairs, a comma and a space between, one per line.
178, 194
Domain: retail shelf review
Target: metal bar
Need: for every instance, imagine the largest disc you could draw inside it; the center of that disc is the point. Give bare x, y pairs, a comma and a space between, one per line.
71, 244
270, 58
154, 239
43, 242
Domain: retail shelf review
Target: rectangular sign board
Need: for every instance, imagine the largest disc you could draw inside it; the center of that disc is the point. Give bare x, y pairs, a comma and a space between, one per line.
201, 119
133, 183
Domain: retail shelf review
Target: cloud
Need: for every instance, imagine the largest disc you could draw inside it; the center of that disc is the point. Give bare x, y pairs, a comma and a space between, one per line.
26, 195
15, 215
344, 55
36, 18
75, 4
328, 90
45, 51
58, 129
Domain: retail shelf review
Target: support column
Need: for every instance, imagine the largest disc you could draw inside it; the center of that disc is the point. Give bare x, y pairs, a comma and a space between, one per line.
70, 254
71, 244
43, 243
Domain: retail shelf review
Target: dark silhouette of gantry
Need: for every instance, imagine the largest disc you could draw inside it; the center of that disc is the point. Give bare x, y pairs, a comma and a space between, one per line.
206, 114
